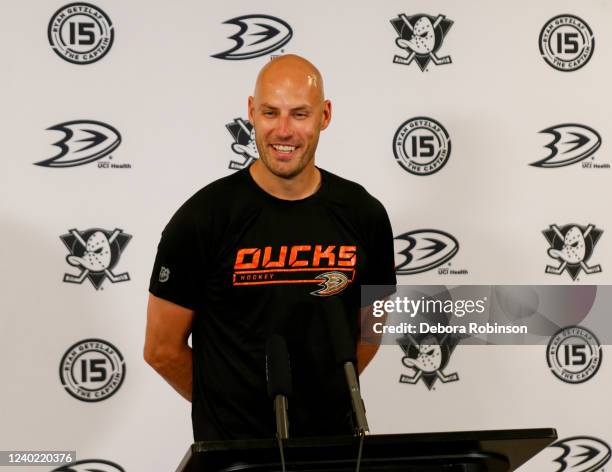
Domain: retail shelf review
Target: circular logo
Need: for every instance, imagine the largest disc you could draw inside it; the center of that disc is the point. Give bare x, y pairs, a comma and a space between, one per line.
566, 43
92, 370
421, 146
80, 33
574, 354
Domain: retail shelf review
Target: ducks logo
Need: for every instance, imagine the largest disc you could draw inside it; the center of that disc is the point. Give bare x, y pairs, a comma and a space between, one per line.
571, 143
84, 141
331, 267
427, 356
92, 465
572, 245
582, 454
244, 144
331, 283
258, 35
426, 249
96, 252
421, 37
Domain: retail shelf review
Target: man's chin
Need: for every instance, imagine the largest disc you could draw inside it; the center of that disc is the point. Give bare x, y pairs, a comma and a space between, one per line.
284, 170
285, 173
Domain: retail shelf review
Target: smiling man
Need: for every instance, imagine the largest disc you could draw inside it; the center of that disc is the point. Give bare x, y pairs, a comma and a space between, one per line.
288, 111
257, 253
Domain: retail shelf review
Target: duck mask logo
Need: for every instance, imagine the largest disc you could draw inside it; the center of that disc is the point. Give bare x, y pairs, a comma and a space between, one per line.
572, 245
96, 252
421, 37
427, 356
244, 143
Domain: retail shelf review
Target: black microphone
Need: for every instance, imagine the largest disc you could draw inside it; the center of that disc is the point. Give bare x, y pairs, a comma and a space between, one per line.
278, 376
344, 350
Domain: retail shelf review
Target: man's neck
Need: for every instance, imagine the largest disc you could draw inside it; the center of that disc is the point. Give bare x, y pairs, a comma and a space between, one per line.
299, 187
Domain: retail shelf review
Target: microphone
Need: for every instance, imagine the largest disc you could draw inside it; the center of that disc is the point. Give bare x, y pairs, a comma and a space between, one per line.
278, 376
345, 355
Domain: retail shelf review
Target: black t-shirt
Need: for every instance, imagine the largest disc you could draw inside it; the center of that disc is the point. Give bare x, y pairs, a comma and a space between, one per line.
251, 265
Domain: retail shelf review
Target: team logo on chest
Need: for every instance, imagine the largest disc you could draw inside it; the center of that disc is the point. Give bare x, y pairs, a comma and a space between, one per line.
330, 267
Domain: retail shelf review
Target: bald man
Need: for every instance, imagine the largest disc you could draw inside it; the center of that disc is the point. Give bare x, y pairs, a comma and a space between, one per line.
257, 253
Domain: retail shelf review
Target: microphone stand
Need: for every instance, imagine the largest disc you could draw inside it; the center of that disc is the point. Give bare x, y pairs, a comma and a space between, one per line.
282, 419
282, 426
358, 407
278, 376
356, 400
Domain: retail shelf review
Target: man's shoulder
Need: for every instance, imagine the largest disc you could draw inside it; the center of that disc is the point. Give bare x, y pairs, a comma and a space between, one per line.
219, 192
215, 198
349, 194
222, 188
335, 179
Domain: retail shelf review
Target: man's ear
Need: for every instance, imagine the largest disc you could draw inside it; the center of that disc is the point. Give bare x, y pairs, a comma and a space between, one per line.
251, 108
327, 114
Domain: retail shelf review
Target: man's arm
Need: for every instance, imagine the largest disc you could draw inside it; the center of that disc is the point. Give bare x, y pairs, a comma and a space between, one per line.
166, 348
369, 342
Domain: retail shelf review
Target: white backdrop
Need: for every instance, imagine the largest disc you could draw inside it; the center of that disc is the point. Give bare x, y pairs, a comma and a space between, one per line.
159, 87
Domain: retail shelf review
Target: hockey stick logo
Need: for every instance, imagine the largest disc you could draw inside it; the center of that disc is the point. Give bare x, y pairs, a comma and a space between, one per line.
244, 144
421, 37
427, 356
96, 252
572, 245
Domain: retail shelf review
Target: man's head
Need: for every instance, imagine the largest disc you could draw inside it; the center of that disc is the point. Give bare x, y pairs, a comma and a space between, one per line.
288, 111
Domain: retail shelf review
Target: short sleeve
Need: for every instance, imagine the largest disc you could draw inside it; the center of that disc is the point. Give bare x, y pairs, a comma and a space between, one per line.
179, 262
380, 261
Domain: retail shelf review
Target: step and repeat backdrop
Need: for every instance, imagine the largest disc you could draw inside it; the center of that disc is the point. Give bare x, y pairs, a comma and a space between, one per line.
482, 126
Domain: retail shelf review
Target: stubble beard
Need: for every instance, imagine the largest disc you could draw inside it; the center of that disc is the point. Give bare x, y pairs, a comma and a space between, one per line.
285, 172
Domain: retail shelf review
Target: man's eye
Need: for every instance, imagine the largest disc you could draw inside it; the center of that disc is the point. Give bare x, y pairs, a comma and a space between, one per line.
268, 113
301, 115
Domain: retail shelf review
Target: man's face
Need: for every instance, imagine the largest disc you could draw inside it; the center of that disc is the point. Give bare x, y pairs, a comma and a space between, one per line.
288, 114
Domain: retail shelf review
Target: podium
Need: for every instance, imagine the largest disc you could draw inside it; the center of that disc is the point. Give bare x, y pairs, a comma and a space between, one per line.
469, 451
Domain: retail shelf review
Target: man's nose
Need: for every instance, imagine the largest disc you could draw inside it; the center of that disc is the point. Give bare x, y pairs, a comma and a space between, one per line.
283, 129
